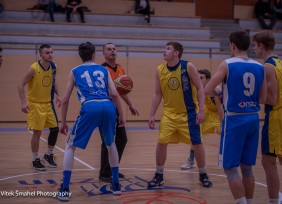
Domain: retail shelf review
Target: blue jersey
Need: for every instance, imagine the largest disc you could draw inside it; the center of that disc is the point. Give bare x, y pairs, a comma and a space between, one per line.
91, 81
241, 88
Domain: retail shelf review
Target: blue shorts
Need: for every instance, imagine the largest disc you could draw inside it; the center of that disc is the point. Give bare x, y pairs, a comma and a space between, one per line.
239, 140
94, 113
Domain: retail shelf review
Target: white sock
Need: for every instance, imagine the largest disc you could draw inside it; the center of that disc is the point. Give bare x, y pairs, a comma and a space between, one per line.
273, 201
34, 155
69, 157
241, 200
160, 169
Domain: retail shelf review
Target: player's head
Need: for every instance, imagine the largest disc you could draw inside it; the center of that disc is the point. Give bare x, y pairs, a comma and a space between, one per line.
110, 51
263, 40
205, 76
86, 51
172, 50
1, 60
46, 52
241, 39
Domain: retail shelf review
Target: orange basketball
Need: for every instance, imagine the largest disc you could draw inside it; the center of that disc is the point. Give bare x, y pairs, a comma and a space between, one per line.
124, 84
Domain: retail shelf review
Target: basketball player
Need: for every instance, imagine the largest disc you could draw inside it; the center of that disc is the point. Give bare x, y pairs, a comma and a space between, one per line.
178, 83
244, 88
116, 70
1, 60
213, 117
271, 143
39, 105
93, 83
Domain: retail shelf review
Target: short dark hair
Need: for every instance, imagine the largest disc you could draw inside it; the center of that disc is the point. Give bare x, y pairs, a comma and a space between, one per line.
43, 46
241, 39
206, 72
176, 46
266, 38
86, 51
109, 43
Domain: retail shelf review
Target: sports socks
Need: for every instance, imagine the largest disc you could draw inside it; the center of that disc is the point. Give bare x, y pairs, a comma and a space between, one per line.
160, 169
34, 155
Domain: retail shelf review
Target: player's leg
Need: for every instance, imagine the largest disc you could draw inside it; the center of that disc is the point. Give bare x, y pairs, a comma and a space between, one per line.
36, 163
52, 123
108, 128
190, 162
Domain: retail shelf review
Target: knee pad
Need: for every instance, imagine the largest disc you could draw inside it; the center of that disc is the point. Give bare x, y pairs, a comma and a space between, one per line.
232, 174
246, 170
53, 135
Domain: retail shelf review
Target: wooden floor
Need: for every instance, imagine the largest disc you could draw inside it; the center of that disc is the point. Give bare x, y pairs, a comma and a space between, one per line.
138, 164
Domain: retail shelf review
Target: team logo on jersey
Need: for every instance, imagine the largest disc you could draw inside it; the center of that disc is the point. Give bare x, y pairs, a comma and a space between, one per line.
46, 81
173, 83
247, 104
185, 83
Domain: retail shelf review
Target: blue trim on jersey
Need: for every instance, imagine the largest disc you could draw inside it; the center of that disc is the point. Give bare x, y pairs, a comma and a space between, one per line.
54, 111
264, 135
194, 129
53, 66
271, 61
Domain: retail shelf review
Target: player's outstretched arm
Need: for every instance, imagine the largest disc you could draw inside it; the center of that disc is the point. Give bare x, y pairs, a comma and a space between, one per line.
65, 104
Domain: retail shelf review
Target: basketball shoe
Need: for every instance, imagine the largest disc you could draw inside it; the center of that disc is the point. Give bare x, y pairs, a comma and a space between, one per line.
116, 188
188, 164
158, 180
36, 164
63, 194
204, 180
49, 160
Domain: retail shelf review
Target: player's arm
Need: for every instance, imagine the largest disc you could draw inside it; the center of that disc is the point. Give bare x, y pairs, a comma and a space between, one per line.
195, 77
271, 83
156, 100
65, 104
116, 99
21, 86
216, 79
219, 107
131, 107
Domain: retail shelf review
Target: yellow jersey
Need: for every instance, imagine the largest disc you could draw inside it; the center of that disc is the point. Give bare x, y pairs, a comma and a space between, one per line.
41, 86
172, 92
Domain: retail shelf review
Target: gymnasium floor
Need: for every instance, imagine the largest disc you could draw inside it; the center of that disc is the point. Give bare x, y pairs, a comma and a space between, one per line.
19, 183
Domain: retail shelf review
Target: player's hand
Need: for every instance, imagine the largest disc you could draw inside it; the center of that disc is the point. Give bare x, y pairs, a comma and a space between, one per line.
25, 108
200, 117
121, 121
59, 101
151, 122
64, 129
133, 110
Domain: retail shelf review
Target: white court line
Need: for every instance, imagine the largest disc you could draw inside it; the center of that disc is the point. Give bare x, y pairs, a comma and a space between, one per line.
77, 159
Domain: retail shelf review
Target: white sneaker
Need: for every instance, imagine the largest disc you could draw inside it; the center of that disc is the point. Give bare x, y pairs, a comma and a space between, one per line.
188, 165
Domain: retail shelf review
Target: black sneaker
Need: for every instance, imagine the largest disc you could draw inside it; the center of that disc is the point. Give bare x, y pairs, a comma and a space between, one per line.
105, 179
158, 180
116, 189
204, 180
49, 160
36, 164
120, 175
63, 194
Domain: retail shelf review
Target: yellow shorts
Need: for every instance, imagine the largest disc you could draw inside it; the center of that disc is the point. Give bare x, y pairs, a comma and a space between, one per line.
211, 123
175, 128
271, 133
41, 115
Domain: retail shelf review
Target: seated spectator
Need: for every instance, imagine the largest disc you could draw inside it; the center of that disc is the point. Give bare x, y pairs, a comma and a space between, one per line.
75, 6
277, 7
143, 7
48, 5
264, 11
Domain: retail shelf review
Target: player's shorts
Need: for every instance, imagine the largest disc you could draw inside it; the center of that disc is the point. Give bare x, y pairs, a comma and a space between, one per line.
271, 142
94, 113
175, 128
239, 140
41, 115
211, 123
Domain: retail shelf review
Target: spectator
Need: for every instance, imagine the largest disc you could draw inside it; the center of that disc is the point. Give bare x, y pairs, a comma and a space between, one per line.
264, 11
48, 5
143, 7
72, 7
277, 7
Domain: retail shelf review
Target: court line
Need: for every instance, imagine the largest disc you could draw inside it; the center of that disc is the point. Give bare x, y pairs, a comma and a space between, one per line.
75, 158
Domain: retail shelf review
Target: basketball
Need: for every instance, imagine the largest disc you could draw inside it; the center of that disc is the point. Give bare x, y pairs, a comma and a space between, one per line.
124, 84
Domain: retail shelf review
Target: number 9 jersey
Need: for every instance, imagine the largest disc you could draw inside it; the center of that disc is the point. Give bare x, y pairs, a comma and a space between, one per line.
241, 88
91, 82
